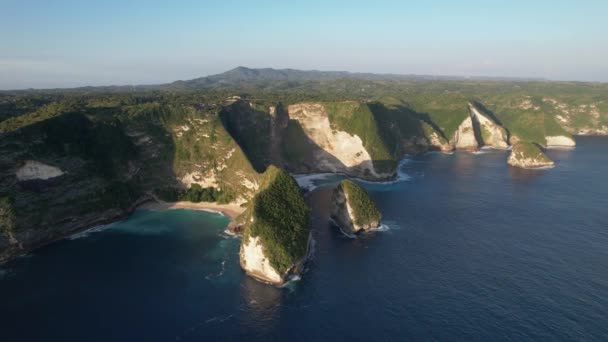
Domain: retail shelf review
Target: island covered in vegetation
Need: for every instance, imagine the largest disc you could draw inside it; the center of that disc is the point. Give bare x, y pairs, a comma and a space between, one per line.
276, 231
353, 210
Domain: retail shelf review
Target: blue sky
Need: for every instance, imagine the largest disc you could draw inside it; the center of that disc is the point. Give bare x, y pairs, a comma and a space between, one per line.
66, 43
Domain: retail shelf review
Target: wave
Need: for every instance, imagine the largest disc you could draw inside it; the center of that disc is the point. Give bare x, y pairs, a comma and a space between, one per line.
228, 234
289, 284
389, 225
401, 175
217, 275
87, 232
219, 319
382, 228
307, 182
351, 236
542, 167
565, 148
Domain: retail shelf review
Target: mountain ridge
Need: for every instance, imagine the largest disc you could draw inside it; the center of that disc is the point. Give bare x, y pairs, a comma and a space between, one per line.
236, 76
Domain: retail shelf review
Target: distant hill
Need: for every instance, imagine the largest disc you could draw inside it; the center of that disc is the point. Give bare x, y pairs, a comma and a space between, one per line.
266, 76
277, 79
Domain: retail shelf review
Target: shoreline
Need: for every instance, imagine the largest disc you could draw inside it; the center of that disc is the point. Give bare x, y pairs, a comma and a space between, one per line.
231, 210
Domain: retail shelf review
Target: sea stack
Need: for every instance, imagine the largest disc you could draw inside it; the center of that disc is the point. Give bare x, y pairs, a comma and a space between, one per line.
276, 232
527, 155
353, 210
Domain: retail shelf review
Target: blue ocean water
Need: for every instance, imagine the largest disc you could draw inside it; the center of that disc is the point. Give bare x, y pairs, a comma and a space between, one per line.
475, 250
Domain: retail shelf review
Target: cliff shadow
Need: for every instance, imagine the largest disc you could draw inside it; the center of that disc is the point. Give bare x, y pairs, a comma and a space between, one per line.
301, 154
401, 125
102, 174
491, 115
252, 130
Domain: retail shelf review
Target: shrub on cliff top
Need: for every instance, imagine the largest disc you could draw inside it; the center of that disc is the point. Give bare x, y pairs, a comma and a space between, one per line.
364, 208
280, 219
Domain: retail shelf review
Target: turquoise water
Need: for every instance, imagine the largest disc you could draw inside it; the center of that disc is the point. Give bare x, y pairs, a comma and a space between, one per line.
475, 250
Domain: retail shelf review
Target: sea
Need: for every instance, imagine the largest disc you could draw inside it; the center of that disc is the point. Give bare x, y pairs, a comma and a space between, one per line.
471, 250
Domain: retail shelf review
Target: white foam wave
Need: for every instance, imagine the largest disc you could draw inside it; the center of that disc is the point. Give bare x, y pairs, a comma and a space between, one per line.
542, 167
219, 319
228, 234
351, 236
87, 232
292, 281
307, 181
217, 275
382, 228
566, 148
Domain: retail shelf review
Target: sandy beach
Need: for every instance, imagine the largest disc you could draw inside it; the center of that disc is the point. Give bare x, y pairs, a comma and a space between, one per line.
232, 210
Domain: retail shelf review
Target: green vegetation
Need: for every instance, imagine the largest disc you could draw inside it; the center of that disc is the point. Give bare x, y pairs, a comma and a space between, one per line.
364, 208
116, 143
196, 194
527, 150
280, 219
119, 194
446, 109
358, 119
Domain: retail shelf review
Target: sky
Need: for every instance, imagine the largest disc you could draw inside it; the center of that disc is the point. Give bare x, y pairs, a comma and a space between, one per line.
68, 43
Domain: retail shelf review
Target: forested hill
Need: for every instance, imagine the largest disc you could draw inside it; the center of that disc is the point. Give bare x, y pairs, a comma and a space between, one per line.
269, 78
291, 77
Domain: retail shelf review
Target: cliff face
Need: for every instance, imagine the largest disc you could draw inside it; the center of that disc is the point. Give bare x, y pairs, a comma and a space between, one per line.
479, 130
71, 162
255, 263
75, 171
338, 151
464, 137
490, 133
560, 141
353, 210
528, 156
276, 234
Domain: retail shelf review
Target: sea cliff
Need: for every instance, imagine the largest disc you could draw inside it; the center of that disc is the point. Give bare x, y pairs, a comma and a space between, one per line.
276, 234
527, 155
353, 210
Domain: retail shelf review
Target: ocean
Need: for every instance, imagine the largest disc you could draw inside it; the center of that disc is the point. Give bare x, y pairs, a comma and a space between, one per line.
473, 250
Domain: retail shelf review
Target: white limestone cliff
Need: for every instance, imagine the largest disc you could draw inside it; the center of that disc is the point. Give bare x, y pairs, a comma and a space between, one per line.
35, 170
491, 133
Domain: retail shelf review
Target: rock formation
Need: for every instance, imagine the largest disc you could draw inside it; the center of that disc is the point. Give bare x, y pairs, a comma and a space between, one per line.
527, 155
560, 141
353, 210
338, 151
464, 138
34, 170
276, 234
490, 132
